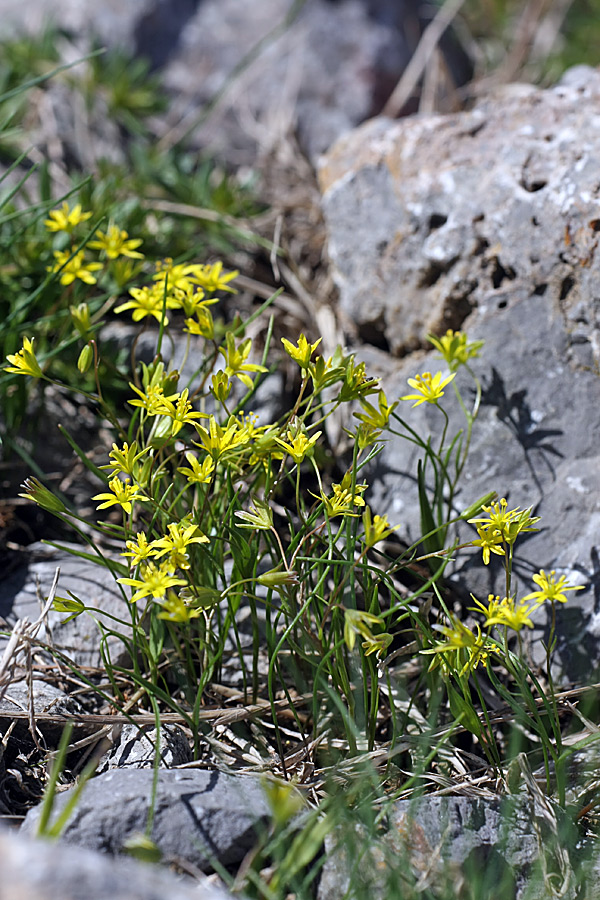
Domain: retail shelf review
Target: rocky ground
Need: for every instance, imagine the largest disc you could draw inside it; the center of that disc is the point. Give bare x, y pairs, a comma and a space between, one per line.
484, 219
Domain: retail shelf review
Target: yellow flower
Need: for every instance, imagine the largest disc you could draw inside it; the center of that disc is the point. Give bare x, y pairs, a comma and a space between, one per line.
376, 529
490, 541
218, 441
303, 352
181, 535
507, 612
377, 643
124, 459
76, 267
469, 649
343, 501
123, 494
179, 409
191, 300
177, 276
489, 610
213, 278
376, 418
151, 400
430, 387
550, 589
455, 348
203, 324
175, 609
147, 301
198, 473
154, 581
24, 362
139, 550
235, 360
65, 219
503, 525
116, 242
299, 446
357, 621
346, 485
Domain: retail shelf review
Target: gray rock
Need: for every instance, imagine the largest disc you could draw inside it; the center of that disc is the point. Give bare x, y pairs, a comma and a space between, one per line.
45, 870
46, 699
135, 748
333, 66
321, 67
443, 841
501, 203
81, 638
200, 815
434, 215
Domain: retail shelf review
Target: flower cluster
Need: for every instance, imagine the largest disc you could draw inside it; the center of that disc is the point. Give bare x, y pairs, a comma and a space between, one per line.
498, 531
157, 563
198, 481
456, 350
71, 264
463, 650
359, 623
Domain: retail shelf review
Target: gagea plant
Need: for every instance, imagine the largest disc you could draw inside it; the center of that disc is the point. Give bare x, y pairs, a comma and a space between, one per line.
238, 545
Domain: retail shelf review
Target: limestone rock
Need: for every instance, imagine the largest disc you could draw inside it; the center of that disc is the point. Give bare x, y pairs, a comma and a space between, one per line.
200, 815
432, 216
444, 841
45, 870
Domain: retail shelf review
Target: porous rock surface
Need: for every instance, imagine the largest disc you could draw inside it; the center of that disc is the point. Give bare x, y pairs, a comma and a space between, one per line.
200, 815
432, 216
488, 220
44, 870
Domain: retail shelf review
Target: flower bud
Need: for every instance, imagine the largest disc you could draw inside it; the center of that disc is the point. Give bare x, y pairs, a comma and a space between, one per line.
81, 318
85, 359
42, 496
276, 578
476, 507
68, 604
